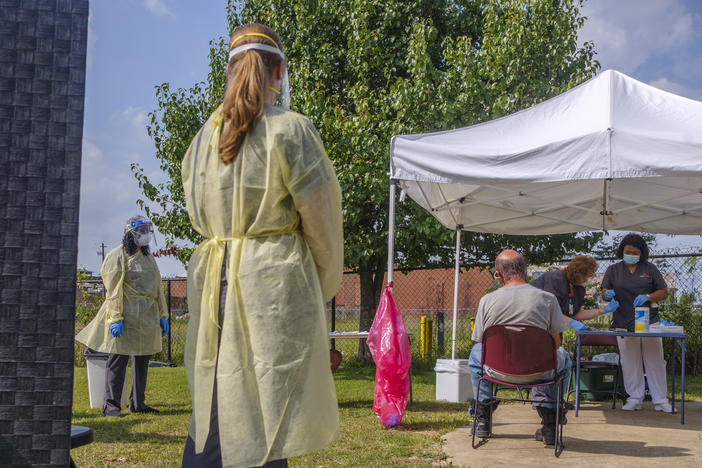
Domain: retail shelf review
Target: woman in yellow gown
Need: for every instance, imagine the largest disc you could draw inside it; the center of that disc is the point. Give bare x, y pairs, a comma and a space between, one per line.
261, 190
132, 319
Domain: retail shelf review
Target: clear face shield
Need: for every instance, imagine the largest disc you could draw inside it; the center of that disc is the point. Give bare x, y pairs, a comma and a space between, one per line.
284, 94
142, 230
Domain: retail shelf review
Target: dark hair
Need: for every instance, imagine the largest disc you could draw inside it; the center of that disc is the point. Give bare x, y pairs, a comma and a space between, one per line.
130, 245
633, 240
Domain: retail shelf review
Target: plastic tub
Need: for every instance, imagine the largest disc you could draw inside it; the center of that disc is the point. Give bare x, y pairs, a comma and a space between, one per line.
453, 382
95, 362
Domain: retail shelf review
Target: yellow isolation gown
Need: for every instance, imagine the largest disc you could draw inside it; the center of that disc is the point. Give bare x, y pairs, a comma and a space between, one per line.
133, 294
276, 212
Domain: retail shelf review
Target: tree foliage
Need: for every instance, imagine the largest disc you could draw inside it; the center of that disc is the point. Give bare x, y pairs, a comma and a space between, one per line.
365, 70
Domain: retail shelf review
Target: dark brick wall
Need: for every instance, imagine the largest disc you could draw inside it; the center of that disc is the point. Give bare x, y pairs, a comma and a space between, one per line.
42, 86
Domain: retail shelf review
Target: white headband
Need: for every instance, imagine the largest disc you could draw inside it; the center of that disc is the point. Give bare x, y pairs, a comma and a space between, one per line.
257, 46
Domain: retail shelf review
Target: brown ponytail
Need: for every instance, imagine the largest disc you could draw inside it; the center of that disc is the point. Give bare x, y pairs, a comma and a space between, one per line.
248, 80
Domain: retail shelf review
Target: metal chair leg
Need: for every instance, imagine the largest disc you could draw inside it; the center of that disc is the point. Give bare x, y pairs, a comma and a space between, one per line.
475, 419
559, 420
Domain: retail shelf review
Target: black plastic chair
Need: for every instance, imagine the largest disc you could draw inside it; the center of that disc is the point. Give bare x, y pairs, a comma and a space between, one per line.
80, 435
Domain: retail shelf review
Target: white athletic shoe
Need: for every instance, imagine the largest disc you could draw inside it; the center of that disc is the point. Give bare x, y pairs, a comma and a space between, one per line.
631, 406
665, 407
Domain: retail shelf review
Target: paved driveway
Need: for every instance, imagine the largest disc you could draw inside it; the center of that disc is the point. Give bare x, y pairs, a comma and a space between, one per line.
598, 437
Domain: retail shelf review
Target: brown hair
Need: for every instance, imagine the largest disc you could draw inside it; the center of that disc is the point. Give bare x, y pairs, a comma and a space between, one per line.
246, 90
581, 266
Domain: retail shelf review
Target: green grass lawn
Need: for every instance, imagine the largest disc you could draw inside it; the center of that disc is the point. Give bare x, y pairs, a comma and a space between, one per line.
157, 440
142, 440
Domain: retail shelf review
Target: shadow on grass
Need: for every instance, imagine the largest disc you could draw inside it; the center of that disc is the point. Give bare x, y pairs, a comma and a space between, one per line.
349, 404
111, 430
424, 426
437, 406
96, 414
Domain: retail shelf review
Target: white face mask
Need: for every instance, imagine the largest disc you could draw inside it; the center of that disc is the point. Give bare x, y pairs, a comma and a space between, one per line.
142, 240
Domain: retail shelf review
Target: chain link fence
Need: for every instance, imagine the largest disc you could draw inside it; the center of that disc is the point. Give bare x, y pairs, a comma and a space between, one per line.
425, 297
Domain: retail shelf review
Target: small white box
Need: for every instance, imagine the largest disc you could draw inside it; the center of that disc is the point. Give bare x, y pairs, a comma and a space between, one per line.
453, 382
96, 381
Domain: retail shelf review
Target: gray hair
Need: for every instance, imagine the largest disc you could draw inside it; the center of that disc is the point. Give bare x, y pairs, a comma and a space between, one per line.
511, 266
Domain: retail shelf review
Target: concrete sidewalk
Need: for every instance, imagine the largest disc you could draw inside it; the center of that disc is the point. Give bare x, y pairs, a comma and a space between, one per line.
599, 437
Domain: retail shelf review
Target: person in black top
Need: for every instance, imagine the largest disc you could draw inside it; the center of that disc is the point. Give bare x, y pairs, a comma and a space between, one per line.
568, 285
631, 283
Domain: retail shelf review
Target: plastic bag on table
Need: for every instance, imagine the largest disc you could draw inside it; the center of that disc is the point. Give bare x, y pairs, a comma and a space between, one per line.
389, 345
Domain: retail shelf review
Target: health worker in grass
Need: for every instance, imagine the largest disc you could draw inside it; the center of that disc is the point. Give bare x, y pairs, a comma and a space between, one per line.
628, 284
132, 319
261, 190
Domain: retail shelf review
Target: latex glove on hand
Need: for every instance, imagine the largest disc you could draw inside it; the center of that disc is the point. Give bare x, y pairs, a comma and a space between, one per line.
117, 329
641, 299
164, 326
609, 294
576, 325
611, 307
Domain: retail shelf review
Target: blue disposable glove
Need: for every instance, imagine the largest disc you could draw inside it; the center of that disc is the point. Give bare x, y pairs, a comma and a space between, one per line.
164, 326
611, 307
117, 329
641, 299
577, 325
609, 294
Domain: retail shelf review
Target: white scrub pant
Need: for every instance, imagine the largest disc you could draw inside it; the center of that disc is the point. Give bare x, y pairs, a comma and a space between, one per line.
635, 353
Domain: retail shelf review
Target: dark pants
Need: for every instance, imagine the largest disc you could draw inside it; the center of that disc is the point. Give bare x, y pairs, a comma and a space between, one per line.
115, 373
211, 456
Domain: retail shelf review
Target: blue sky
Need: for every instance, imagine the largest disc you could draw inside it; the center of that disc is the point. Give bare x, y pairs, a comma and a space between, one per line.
134, 45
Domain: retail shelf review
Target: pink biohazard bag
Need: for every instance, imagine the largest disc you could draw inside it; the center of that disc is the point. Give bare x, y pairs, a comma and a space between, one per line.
389, 345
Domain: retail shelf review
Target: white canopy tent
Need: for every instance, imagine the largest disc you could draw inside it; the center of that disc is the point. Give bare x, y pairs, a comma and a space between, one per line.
610, 154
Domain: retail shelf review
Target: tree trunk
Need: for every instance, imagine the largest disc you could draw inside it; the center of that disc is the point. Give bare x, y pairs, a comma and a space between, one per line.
371, 278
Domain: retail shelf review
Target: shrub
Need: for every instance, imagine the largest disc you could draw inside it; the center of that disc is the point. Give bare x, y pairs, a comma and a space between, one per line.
684, 312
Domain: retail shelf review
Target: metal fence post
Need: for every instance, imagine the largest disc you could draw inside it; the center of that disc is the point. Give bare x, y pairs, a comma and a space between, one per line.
333, 320
440, 333
170, 360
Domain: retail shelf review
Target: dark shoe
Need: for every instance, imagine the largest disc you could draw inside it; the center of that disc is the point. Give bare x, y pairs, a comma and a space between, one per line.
144, 409
482, 418
112, 414
564, 419
547, 433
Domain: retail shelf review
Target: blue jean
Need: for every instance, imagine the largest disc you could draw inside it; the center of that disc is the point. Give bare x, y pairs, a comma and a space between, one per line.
546, 392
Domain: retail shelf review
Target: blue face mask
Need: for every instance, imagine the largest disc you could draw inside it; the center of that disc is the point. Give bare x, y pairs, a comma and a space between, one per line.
631, 259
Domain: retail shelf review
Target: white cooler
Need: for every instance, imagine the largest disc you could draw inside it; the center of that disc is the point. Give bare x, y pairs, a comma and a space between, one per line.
453, 380
96, 362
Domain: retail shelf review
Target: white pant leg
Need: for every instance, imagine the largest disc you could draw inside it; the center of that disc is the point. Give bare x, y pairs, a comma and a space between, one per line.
632, 367
655, 369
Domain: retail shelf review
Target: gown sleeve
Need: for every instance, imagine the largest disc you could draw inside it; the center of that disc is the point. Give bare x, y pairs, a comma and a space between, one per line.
316, 193
112, 273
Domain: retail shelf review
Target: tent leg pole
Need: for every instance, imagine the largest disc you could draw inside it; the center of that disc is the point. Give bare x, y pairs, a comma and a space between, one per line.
391, 232
455, 290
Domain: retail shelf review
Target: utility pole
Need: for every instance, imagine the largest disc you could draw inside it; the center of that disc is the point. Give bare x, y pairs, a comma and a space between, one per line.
101, 252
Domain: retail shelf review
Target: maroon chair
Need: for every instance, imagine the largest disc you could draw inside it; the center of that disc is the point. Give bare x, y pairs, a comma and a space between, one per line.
599, 340
521, 357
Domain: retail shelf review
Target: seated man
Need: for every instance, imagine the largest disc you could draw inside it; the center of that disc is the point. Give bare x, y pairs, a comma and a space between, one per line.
516, 302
